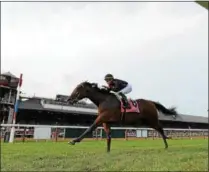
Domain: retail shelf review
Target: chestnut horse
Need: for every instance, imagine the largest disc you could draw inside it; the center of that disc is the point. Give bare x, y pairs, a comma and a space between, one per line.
110, 111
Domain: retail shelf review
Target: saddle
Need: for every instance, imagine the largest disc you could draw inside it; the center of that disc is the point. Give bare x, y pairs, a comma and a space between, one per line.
133, 106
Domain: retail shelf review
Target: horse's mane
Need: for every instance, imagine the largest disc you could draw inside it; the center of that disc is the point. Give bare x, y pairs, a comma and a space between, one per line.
95, 86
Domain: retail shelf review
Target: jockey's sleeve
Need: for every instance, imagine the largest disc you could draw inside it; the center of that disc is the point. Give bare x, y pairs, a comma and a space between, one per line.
116, 85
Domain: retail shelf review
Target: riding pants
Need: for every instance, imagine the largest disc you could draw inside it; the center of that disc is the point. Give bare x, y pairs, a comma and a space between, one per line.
126, 90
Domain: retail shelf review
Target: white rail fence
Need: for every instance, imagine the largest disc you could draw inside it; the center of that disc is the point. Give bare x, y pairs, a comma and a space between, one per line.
54, 132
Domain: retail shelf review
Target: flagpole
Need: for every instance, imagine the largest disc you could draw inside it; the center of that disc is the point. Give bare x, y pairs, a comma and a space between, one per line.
12, 132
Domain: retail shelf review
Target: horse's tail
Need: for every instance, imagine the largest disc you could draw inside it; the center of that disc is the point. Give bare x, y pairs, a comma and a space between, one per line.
164, 110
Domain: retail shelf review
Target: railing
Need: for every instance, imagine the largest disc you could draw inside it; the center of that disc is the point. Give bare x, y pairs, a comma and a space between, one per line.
49, 132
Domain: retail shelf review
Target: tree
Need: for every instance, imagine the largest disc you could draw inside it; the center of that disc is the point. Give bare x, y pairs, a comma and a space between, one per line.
203, 4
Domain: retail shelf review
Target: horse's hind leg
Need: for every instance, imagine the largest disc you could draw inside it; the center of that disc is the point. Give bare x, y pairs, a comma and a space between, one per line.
161, 131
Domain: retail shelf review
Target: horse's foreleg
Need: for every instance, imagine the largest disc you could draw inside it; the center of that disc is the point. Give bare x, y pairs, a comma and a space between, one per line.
90, 129
108, 134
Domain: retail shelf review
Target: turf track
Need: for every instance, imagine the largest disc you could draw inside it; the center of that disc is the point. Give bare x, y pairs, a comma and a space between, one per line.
134, 155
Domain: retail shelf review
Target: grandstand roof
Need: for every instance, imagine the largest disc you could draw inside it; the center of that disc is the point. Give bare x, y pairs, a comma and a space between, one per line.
38, 104
184, 118
9, 74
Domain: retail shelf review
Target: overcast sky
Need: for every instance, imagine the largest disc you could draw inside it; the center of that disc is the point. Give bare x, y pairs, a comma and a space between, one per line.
159, 48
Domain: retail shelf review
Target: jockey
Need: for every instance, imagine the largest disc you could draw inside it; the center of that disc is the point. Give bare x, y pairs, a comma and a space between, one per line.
120, 87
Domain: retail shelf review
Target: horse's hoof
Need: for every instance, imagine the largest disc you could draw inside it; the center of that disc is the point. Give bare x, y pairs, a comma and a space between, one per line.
71, 143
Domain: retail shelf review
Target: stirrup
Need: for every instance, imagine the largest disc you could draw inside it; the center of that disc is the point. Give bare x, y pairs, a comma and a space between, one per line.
126, 106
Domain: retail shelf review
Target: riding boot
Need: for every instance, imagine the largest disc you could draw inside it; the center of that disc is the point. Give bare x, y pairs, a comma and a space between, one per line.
125, 101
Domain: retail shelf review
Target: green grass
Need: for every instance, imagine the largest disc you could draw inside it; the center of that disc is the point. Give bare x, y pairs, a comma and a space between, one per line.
136, 155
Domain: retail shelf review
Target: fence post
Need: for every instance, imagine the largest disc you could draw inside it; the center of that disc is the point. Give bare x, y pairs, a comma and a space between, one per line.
56, 133
64, 133
101, 134
126, 136
23, 136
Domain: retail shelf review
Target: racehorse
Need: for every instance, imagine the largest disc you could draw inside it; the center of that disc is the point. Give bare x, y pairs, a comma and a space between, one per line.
110, 111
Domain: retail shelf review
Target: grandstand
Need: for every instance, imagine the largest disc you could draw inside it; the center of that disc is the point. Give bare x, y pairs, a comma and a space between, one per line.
56, 112
8, 91
45, 111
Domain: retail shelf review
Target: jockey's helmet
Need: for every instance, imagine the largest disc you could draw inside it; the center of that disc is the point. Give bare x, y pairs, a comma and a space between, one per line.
108, 77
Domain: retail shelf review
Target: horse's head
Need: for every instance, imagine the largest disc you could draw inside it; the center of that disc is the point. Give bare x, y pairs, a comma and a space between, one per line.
81, 91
